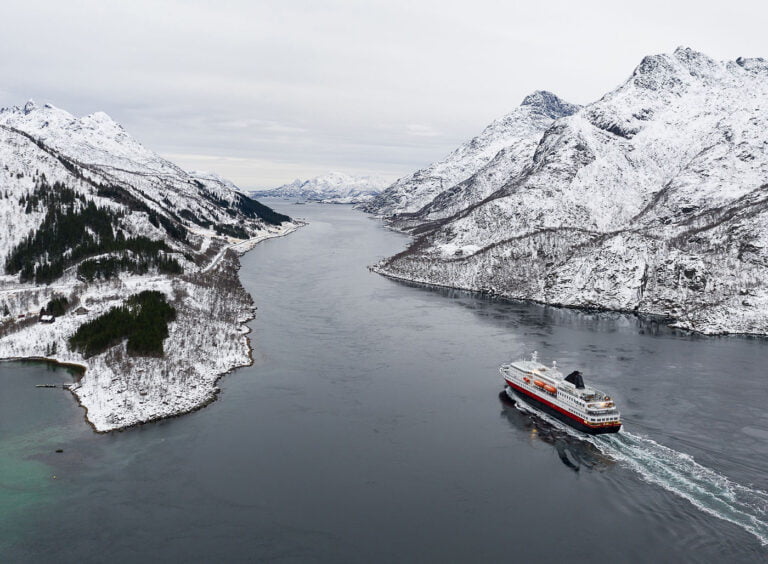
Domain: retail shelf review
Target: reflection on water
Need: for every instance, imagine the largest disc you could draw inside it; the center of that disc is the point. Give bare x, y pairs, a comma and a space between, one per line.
572, 451
76, 372
520, 314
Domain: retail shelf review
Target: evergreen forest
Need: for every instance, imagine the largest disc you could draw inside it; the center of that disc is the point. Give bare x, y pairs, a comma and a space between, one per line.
142, 320
74, 229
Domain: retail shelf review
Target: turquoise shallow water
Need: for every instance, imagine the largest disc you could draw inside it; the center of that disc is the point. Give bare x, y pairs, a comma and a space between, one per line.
34, 423
371, 428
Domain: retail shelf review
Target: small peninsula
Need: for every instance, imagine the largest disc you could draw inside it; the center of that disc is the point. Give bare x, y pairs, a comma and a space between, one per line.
120, 262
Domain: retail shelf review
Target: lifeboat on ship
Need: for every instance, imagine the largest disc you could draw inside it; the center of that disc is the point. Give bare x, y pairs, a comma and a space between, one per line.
539, 383
550, 388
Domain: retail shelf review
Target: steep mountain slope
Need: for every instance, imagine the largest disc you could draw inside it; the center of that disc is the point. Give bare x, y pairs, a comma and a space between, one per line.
332, 188
99, 154
651, 199
88, 217
473, 170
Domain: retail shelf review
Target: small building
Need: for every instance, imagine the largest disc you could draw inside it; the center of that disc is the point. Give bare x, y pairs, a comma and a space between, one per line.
47, 319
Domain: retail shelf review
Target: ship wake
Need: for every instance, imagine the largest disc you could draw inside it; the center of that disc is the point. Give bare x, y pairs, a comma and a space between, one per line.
679, 473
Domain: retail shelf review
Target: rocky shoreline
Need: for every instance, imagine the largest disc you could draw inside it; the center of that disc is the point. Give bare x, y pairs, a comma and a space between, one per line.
715, 329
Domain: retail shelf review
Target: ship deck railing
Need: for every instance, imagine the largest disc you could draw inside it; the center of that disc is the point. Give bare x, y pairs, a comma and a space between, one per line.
603, 413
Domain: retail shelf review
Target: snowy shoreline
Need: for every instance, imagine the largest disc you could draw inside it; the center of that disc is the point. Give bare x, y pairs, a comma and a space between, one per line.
669, 321
208, 340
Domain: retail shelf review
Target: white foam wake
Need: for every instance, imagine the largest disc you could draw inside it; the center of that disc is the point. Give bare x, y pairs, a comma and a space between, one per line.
680, 474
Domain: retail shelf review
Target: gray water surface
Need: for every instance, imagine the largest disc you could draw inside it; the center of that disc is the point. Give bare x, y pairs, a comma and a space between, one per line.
371, 428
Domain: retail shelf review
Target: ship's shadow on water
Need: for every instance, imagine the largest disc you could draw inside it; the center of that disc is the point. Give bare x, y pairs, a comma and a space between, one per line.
573, 452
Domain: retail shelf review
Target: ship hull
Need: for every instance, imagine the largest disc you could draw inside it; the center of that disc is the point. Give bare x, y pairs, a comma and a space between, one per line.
571, 422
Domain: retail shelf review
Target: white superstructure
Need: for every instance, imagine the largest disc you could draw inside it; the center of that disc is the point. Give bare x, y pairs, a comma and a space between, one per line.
567, 398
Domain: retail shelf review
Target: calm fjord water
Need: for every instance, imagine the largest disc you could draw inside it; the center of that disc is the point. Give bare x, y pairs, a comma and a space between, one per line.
371, 428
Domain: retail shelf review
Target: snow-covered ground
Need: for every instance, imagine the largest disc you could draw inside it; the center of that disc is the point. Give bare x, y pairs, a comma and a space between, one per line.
207, 339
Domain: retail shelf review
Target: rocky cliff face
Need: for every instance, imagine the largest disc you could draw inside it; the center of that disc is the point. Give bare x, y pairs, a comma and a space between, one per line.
652, 199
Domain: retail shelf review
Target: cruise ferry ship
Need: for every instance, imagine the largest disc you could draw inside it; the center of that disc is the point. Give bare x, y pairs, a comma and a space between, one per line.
566, 398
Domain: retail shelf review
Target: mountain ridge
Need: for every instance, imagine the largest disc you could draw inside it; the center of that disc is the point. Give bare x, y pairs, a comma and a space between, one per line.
633, 203
515, 133
333, 187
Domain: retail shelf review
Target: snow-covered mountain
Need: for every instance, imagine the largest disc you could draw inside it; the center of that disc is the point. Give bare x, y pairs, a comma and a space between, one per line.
477, 167
653, 199
95, 157
332, 188
89, 217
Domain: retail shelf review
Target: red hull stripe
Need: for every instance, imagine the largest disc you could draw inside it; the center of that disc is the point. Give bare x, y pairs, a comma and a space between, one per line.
556, 407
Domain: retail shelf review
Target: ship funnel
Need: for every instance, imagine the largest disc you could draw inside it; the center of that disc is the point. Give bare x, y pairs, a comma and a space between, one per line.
575, 379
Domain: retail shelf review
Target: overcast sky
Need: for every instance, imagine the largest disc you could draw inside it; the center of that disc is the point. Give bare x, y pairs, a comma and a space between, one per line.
264, 92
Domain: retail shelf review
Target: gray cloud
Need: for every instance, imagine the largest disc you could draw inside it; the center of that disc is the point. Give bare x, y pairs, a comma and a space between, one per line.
264, 91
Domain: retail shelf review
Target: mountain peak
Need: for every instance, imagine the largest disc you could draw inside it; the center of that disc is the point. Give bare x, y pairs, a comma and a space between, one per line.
676, 70
101, 119
684, 51
101, 116
30, 106
549, 104
695, 61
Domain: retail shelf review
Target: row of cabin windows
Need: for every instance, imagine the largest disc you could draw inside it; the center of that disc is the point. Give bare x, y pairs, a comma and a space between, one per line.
568, 399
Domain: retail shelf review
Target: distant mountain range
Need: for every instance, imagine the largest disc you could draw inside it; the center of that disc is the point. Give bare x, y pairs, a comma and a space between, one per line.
653, 199
332, 188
